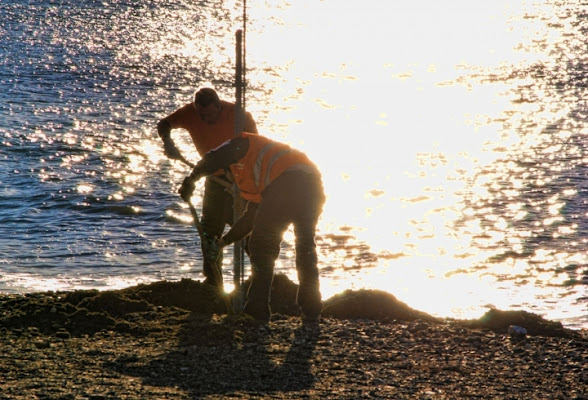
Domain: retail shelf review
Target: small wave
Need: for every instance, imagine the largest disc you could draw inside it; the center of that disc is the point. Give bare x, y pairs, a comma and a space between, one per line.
124, 210
87, 208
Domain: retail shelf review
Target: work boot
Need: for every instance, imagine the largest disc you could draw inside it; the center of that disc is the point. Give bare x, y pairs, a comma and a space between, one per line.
309, 300
213, 283
258, 311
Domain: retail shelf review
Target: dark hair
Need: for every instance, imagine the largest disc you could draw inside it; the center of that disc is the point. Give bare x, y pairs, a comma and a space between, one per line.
206, 96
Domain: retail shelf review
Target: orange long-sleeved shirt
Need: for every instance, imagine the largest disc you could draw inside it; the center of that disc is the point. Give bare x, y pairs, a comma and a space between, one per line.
207, 136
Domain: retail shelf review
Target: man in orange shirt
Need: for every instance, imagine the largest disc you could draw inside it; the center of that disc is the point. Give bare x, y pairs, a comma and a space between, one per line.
210, 122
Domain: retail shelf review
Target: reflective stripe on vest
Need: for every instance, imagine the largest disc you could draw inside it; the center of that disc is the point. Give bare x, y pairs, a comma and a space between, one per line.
262, 182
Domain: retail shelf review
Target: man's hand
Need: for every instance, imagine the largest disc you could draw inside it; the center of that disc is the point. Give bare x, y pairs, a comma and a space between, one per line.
170, 150
186, 189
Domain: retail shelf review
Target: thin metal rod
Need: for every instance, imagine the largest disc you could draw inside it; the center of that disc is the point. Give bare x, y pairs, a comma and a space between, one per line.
244, 108
244, 71
237, 204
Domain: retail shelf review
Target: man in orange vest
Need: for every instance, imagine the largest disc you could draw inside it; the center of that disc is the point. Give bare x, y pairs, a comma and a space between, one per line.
210, 122
283, 187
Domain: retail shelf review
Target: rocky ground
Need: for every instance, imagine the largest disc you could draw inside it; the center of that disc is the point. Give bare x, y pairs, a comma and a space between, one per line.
174, 340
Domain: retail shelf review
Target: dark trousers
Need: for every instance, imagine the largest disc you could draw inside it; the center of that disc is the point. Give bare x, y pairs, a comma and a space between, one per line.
294, 198
217, 211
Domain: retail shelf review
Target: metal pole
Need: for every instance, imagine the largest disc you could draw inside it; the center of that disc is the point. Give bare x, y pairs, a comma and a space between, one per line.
237, 204
243, 105
244, 52
243, 98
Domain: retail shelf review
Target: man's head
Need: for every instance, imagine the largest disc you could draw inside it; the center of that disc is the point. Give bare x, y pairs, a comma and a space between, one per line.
207, 104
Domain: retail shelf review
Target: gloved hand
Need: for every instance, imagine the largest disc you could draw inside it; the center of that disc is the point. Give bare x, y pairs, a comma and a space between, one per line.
186, 189
170, 149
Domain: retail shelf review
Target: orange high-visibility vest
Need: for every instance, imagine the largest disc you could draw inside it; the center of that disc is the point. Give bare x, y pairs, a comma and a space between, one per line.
265, 160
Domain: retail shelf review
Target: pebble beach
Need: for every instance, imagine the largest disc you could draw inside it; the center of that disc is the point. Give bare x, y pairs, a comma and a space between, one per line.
175, 340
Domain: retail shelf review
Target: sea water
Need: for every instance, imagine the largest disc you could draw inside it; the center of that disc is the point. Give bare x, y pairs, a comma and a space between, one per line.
450, 135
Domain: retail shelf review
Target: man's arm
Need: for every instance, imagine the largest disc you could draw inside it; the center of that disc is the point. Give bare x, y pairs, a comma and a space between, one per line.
169, 147
250, 125
241, 228
222, 157
164, 129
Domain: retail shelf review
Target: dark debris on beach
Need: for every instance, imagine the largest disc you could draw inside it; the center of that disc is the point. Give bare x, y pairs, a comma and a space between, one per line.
174, 340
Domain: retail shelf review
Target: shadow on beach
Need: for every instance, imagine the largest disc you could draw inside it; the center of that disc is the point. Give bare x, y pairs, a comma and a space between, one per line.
218, 358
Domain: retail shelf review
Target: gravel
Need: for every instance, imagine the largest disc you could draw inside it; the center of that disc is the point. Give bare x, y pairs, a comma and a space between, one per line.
174, 340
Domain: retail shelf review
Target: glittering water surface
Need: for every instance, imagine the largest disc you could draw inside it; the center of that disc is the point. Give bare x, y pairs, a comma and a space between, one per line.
450, 136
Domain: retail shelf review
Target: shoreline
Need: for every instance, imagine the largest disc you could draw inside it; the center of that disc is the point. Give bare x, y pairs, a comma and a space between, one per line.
174, 340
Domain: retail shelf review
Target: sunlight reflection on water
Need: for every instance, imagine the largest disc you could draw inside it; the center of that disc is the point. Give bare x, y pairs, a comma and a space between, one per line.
407, 126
